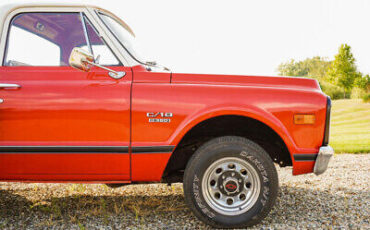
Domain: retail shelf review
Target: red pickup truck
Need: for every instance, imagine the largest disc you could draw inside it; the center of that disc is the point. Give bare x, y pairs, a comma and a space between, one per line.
117, 119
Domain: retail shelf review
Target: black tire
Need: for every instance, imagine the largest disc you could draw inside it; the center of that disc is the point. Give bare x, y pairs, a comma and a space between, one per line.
244, 151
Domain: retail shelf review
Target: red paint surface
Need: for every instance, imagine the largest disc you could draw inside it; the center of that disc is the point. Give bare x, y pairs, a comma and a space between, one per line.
302, 167
71, 166
62, 106
148, 166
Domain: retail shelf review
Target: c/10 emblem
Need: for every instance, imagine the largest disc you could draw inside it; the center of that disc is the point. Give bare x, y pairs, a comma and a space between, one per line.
159, 117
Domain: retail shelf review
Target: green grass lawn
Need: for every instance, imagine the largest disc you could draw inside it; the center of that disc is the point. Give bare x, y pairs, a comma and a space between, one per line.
350, 126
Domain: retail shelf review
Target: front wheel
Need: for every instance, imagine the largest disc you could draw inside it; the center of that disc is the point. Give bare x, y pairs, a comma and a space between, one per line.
230, 182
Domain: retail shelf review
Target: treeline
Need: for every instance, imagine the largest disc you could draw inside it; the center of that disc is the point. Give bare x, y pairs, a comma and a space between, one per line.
338, 78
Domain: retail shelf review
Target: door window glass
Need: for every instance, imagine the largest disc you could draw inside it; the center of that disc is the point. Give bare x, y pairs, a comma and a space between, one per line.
102, 54
24, 49
47, 39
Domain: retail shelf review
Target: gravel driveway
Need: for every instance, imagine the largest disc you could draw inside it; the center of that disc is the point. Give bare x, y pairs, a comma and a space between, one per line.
340, 198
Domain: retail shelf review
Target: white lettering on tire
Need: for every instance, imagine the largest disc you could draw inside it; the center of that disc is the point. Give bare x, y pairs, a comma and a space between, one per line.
200, 204
261, 168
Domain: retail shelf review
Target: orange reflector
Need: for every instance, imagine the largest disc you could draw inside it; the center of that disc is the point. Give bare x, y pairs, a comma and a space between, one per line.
304, 119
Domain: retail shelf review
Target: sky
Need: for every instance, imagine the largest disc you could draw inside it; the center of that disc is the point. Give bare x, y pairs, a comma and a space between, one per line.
247, 37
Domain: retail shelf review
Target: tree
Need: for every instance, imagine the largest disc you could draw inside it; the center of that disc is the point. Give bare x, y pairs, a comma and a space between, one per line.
363, 82
292, 68
343, 71
315, 67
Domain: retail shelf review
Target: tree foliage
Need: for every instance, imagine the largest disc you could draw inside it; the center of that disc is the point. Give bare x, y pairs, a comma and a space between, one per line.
337, 78
315, 67
343, 71
363, 82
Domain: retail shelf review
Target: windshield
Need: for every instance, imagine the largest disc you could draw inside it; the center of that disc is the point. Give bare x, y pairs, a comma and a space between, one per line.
124, 36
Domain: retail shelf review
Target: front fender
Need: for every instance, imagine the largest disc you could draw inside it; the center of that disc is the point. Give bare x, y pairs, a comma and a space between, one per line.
239, 110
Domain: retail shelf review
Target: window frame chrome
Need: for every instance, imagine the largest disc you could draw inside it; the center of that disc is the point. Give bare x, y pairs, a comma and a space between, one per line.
105, 31
99, 13
85, 33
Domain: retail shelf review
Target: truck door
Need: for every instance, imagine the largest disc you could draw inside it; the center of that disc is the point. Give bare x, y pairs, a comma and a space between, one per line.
58, 123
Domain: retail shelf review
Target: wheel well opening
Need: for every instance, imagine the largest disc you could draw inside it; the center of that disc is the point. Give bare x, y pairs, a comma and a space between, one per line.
228, 125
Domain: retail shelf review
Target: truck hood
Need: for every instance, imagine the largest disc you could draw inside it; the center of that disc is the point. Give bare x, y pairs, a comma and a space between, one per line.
260, 81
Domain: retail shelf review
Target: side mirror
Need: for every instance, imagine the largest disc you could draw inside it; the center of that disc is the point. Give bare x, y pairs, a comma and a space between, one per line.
83, 60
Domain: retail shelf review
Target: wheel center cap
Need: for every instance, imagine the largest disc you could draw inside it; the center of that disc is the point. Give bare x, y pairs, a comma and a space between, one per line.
230, 183
231, 186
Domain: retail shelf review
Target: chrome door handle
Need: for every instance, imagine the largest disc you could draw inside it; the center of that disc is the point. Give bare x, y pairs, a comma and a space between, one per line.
4, 85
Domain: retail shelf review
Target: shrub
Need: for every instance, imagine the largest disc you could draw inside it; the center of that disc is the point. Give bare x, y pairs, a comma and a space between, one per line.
357, 93
366, 98
332, 90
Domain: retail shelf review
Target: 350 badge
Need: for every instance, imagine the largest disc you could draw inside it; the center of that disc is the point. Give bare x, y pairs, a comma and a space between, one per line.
159, 117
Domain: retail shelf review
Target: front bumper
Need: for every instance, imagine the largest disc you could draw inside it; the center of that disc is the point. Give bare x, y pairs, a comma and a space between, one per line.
322, 160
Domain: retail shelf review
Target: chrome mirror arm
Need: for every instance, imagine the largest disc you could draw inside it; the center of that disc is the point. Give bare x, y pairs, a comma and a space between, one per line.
83, 60
112, 73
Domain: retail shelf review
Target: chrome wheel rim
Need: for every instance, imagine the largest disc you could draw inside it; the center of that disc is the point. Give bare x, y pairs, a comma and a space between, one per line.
231, 186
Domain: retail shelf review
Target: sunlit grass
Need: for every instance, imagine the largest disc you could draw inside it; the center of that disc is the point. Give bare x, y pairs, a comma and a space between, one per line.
350, 126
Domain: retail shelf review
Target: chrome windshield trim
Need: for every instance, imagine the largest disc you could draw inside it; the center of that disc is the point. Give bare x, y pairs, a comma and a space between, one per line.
85, 33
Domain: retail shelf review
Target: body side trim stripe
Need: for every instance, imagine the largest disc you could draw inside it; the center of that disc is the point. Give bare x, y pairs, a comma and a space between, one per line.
63, 149
85, 149
305, 157
153, 149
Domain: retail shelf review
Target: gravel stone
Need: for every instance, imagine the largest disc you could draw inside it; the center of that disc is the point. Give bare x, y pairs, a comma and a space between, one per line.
338, 199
